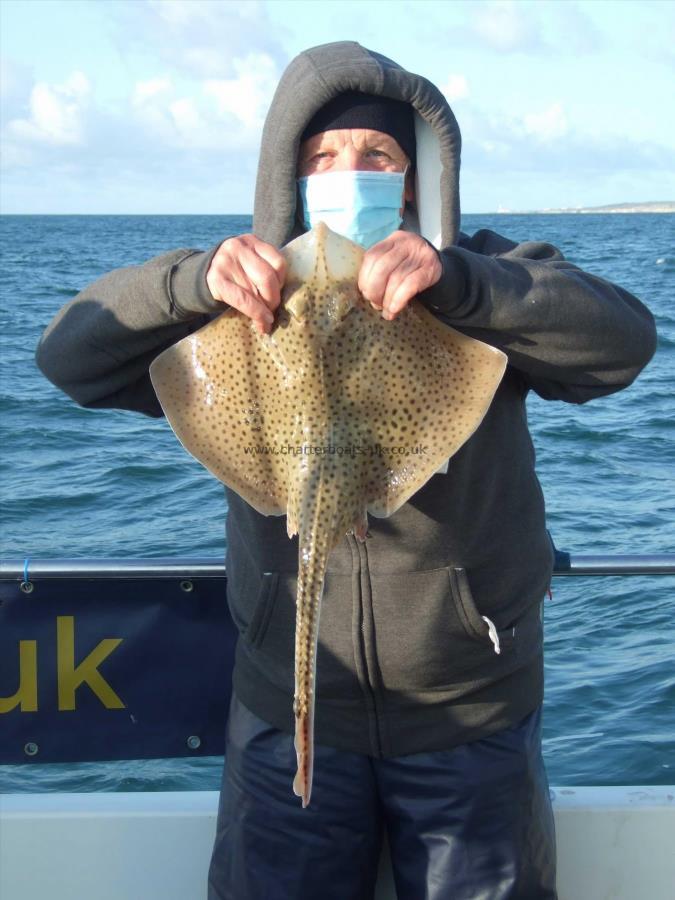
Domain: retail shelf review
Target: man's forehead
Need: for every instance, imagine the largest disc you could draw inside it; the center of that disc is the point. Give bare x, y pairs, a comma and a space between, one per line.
359, 137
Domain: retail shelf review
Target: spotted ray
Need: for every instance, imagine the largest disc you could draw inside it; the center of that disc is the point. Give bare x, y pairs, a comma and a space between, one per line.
335, 414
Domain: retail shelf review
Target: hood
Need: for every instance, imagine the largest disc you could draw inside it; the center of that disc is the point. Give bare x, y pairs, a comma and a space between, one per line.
309, 82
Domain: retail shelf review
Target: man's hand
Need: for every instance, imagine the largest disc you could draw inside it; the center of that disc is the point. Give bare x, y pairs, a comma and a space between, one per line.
248, 274
396, 270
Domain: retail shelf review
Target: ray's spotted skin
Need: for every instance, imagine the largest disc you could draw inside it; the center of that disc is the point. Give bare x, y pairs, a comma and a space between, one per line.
335, 414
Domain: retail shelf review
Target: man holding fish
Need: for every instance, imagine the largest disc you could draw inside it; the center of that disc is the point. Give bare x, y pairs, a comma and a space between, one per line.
429, 680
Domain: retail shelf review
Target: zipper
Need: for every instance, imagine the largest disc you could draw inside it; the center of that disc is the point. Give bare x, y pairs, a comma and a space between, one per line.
361, 641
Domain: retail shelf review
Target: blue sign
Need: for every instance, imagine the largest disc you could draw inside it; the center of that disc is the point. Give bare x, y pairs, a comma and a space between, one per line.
107, 668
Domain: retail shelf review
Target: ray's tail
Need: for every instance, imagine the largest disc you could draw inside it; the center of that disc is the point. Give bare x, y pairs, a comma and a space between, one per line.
316, 540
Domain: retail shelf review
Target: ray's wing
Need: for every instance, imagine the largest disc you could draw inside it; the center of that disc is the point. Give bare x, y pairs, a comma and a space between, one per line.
220, 390
415, 390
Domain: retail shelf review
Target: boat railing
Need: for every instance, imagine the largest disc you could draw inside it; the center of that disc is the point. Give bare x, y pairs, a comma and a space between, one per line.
24, 570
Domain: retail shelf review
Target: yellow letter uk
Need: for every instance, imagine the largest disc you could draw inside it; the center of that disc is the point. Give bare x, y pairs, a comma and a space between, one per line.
70, 676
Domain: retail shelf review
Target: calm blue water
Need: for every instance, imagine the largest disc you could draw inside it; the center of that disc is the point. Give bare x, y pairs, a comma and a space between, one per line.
79, 483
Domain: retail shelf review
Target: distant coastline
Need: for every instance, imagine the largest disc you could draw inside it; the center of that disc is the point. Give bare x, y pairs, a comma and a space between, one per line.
653, 206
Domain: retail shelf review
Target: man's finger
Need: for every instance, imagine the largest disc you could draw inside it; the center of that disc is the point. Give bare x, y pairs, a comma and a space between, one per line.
271, 255
245, 301
415, 273
378, 264
262, 278
407, 288
398, 277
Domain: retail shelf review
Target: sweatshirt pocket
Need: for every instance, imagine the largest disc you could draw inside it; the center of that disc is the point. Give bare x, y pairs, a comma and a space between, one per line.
430, 633
475, 624
263, 610
251, 616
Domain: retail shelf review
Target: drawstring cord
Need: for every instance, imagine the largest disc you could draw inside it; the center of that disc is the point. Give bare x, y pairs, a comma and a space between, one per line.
492, 633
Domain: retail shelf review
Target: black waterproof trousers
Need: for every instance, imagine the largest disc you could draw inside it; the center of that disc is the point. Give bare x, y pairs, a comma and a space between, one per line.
470, 823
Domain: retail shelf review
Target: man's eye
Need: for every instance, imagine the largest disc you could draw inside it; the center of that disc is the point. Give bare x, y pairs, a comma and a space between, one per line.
375, 152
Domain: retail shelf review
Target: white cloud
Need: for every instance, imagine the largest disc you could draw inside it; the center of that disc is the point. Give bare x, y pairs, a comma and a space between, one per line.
506, 26
10, 77
205, 61
572, 30
198, 38
455, 88
178, 12
147, 90
247, 96
209, 114
532, 27
165, 117
185, 115
56, 112
547, 125
495, 148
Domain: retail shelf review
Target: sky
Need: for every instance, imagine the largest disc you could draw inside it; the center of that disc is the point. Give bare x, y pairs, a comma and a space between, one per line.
156, 106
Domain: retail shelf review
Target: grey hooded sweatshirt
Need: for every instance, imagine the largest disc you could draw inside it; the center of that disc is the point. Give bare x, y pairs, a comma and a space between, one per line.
405, 660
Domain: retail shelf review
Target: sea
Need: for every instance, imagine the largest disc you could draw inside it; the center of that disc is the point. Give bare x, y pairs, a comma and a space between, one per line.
79, 483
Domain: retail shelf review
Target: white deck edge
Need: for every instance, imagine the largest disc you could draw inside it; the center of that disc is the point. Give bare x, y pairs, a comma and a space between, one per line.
614, 843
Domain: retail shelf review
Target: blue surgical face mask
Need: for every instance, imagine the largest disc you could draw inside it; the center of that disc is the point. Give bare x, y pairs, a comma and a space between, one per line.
362, 206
